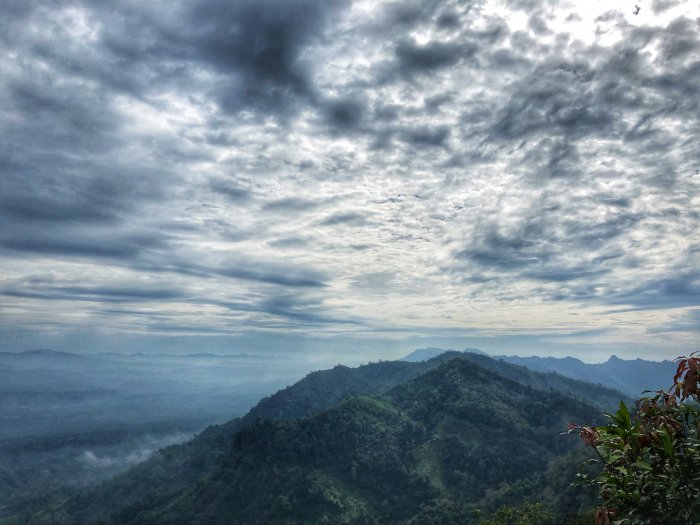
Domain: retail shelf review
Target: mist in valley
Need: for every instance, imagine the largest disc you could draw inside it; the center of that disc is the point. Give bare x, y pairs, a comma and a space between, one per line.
72, 420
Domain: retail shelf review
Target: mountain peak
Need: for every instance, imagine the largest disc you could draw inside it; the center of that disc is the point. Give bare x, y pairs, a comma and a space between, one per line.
425, 354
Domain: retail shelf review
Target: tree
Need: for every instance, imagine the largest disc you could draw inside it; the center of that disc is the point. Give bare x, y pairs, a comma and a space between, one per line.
650, 458
528, 514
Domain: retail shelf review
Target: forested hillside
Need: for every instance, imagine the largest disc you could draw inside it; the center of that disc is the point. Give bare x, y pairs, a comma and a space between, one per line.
458, 438
388, 442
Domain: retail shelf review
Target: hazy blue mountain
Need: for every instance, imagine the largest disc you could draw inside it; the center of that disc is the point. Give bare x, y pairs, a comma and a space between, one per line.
629, 376
73, 419
600, 395
423, 354
45, 392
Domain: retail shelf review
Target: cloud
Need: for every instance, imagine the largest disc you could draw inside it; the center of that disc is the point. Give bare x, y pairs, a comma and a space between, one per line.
239, 167
230, 190
413, 58
84, 244
100, 294
291, 205
136, 452
674, 291
272, 273
343, 114
349, 218
288, 242
661, 5
688, 322
258, 45
427, 136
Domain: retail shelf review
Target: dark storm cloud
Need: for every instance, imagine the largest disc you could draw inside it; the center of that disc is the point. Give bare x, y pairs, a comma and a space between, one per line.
426, 136
259, 46
254, 47
414, 57
70, 181
78, 110
61, 157
344, 114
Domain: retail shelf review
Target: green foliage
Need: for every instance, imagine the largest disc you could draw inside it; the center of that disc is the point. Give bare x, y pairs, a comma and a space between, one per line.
429, 451
651, 458
528, 514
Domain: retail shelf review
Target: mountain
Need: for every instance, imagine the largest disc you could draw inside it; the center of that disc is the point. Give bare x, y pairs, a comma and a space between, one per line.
629, 376
444, 439
440, 412
43, 357
597, 394
424, 354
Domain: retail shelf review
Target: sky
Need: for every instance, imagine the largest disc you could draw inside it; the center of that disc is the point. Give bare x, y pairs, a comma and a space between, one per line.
352, 179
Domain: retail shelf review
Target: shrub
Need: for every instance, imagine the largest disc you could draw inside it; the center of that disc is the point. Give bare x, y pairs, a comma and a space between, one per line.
650, 458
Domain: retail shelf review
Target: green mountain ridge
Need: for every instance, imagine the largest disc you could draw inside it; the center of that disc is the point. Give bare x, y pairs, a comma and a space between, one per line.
426, 407
384, 459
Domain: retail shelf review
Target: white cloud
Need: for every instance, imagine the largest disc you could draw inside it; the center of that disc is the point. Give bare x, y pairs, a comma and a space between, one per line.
513, 170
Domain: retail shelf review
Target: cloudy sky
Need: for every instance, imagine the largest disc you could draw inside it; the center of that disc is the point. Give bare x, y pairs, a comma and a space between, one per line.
358, 178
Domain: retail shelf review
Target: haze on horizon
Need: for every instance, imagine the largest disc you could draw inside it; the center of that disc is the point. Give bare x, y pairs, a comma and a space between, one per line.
354, 179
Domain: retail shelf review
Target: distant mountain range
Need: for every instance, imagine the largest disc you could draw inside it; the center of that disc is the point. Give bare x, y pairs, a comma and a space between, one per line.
195, 389
388, 442
631, 377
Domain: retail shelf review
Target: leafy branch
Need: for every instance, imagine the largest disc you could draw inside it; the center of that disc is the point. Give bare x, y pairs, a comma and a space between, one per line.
650, 458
